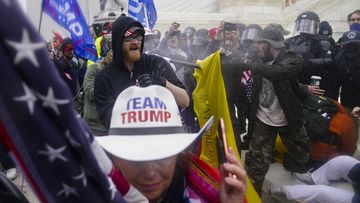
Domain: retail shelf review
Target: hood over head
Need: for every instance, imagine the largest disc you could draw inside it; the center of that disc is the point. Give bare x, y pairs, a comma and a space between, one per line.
119, 27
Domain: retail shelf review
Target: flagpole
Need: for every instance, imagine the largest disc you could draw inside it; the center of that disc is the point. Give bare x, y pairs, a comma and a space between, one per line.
185, 63
146, 17
41, 15
180, 62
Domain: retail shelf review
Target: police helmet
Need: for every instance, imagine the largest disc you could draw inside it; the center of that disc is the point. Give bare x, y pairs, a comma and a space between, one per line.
201, 37
251, 32
189, 32
307, 22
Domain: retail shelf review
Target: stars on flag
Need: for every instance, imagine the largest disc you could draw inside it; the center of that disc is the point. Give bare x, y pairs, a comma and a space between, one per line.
248, 89
72, 141
25, 49
247, 81
81, 176
50, 101
32, 108
53, 153
29, 97
67, 191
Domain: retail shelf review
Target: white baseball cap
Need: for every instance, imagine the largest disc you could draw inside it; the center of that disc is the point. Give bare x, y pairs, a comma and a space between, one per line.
146, 125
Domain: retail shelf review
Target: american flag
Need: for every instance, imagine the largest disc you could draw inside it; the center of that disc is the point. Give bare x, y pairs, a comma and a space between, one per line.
38, 124
247, 81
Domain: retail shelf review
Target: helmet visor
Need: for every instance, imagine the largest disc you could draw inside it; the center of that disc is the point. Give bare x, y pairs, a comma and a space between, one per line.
250, 34
307, 26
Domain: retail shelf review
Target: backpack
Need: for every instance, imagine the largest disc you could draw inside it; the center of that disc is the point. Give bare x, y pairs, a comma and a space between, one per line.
318, 112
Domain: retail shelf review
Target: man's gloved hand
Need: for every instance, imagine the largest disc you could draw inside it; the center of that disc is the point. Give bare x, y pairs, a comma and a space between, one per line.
145, 80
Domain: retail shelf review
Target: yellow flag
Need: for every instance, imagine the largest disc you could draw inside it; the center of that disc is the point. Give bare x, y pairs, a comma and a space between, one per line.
210, 99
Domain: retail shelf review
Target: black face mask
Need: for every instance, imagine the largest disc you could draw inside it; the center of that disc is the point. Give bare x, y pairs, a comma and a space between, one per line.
352, 50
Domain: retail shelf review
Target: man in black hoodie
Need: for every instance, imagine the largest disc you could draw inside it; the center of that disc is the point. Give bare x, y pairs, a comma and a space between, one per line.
131, 67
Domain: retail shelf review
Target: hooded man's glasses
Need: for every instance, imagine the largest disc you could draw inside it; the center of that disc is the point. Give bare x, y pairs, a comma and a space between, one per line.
135, 36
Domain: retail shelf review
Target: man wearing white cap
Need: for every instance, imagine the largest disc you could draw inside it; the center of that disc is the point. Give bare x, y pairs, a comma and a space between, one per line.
146, 142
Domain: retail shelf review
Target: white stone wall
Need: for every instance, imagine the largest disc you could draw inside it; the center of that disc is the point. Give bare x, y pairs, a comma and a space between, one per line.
263, 12
209, 13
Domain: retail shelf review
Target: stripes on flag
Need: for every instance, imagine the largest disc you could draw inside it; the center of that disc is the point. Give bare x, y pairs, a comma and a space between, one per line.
247, 81
246, 75
128, 33
38, 124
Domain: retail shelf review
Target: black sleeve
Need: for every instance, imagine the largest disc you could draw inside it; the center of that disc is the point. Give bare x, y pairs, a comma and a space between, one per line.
333, 82
104, 99
301, 91
64, 73
288, 68
162, 67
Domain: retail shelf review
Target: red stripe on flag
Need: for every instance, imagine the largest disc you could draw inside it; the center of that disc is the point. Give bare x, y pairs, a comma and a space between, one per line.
5, 138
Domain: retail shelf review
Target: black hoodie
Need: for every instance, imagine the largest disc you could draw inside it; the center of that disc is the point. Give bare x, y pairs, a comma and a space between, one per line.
116, 77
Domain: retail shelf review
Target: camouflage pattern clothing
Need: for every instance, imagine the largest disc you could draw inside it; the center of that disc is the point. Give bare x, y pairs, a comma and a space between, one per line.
282, 73
261, 150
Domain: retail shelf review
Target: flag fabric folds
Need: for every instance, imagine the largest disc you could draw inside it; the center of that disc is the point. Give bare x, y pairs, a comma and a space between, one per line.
68, 14
143, 11
38, 123
210, 99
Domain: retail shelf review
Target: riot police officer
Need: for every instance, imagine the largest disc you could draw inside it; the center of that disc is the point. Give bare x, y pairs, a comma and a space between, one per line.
347, 62
187, 39
317, 52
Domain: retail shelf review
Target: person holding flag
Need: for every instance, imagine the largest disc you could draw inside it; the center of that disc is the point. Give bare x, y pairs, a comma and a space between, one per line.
67, 13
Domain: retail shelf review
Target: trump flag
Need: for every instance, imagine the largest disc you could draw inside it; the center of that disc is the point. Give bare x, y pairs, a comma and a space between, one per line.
144, 12
67, 13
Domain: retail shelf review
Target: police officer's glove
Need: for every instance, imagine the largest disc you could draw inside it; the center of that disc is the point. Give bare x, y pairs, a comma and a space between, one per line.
145, 80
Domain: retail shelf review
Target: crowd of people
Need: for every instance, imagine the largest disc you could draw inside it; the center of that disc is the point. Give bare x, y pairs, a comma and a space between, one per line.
272, 88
